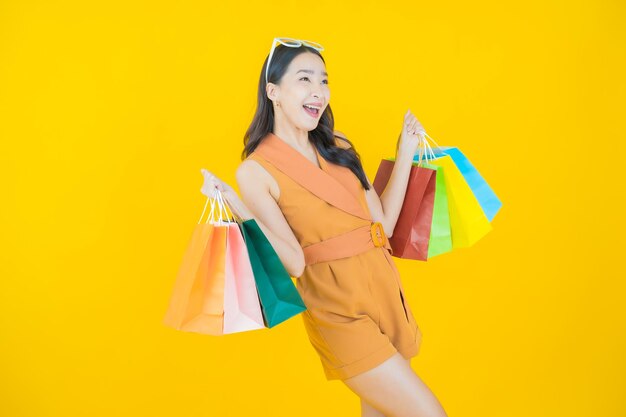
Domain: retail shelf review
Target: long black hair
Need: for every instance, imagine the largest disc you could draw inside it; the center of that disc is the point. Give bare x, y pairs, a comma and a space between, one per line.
322, 137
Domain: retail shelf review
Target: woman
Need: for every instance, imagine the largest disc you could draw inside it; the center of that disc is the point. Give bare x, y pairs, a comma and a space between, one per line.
305, 186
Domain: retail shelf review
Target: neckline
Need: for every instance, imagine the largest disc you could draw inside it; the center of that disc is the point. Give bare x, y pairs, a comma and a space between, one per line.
330, 182
320, 160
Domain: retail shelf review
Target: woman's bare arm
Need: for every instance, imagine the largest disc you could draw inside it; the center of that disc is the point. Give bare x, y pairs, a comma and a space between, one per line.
386, 207
257, 203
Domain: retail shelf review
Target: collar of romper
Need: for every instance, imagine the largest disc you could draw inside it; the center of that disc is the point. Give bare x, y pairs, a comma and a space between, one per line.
335, 185
331, 182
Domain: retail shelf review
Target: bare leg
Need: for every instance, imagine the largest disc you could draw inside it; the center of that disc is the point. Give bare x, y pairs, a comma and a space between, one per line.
394, 389
369, 411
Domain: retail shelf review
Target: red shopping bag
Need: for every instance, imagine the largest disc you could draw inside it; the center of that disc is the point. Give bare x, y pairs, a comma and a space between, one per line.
411, 234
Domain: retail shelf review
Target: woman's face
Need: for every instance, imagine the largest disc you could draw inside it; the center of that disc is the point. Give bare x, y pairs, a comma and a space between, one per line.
304, 83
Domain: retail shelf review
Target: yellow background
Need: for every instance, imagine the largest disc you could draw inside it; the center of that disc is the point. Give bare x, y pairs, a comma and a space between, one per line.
108, 111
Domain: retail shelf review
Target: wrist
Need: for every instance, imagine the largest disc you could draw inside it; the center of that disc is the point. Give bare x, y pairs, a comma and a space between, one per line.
404, 156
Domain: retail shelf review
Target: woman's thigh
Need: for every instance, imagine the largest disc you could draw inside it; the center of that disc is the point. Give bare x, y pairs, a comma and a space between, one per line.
395, 389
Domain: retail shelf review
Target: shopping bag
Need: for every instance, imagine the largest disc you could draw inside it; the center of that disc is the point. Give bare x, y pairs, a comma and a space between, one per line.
242, 307
411, 234
468, 222
280, 299
486, 197
440, 235
197, 299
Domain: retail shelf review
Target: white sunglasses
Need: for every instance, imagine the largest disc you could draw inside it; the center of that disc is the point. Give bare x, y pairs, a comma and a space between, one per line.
292, 43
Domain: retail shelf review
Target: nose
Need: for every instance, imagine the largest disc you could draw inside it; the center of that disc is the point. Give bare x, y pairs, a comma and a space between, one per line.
316, 93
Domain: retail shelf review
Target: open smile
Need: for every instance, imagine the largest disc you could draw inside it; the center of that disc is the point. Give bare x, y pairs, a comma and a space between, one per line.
312, 111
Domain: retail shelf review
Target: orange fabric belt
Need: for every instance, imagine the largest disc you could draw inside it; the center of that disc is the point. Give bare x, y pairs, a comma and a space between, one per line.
347, 244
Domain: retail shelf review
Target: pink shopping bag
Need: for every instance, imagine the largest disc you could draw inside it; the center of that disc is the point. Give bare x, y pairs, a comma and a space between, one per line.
242, 307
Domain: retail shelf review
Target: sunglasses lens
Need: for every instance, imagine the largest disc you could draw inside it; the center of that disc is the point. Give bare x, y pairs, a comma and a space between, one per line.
314, 45
289, 42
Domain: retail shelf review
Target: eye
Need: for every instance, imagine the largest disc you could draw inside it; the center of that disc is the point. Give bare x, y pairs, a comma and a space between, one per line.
307, 78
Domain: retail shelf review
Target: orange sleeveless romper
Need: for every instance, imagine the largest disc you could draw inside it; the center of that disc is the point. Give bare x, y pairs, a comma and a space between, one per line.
357, 315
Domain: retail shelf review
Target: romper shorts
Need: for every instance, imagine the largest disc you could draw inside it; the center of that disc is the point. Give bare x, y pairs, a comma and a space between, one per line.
357, 316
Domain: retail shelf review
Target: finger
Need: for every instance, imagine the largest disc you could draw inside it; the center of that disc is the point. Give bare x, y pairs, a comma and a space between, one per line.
206, 191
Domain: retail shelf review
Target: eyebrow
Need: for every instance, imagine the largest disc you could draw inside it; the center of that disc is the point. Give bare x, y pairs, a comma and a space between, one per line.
308, 71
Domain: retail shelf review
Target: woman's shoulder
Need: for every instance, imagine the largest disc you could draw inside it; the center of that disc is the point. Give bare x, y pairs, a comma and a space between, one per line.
253, 172
250, 169
341, 140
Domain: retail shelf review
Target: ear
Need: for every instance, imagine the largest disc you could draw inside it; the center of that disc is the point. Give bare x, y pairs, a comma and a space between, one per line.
272, 90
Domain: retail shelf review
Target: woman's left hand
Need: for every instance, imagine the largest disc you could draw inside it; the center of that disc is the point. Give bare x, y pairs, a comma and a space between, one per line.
409, 139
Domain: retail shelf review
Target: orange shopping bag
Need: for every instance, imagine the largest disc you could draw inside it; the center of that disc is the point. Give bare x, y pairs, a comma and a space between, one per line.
197, 300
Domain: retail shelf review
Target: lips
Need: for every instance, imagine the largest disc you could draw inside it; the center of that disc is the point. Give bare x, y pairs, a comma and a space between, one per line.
312, 110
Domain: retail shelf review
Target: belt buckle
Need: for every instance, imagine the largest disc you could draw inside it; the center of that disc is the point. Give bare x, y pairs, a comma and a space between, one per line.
377, 232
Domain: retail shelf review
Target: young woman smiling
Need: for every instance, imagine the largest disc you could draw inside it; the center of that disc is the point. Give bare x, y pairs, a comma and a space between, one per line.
304, 184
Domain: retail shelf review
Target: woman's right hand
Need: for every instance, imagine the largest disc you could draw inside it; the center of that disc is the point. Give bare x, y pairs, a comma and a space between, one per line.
409, 139
211, 182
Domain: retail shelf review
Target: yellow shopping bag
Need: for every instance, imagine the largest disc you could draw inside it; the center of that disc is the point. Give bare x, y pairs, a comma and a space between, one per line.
468, 222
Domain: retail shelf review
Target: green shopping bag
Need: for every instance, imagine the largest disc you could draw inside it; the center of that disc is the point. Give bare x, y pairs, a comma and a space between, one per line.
279, 297
440, 235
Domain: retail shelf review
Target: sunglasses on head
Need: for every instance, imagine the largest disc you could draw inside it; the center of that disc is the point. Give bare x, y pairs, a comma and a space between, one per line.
292, 43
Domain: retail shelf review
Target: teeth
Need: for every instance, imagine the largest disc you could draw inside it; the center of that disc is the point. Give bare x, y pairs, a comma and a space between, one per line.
311, 107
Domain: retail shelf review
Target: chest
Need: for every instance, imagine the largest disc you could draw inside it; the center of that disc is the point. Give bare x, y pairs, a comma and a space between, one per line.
311, 155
